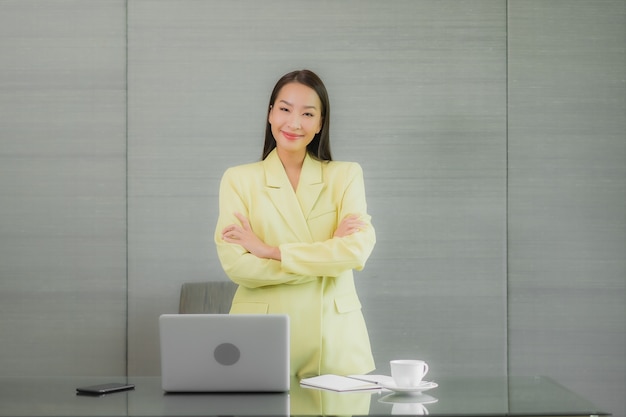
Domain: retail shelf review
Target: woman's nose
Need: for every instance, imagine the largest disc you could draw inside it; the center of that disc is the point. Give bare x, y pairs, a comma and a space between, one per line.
294, 122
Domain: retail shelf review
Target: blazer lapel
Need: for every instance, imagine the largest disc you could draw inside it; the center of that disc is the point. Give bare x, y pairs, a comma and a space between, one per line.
294, 208
311, 184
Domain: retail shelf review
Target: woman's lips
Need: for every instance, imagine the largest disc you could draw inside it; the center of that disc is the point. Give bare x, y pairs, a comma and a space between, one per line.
290, 136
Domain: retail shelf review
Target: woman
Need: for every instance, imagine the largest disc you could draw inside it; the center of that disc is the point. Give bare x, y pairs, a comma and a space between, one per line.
291, 229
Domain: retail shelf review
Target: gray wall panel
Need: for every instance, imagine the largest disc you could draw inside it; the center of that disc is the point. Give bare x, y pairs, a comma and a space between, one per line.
567, 189
62, 187
418, 102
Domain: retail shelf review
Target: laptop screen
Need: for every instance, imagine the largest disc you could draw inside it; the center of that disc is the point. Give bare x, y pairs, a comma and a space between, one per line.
224, 353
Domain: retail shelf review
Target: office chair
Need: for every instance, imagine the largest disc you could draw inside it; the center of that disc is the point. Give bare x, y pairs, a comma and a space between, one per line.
213, 297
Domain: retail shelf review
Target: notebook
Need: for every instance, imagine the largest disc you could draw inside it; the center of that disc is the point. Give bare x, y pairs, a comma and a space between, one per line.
346, 383
224, 353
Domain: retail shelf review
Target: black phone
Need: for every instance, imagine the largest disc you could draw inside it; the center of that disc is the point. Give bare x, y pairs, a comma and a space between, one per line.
102, 389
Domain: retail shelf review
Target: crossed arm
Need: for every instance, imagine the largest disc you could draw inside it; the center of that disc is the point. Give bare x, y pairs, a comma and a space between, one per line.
244, 235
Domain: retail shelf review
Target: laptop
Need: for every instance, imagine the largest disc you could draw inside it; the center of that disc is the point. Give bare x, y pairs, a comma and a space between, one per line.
224, 352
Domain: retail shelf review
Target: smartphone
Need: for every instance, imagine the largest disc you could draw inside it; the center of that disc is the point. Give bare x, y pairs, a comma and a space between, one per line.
102, 389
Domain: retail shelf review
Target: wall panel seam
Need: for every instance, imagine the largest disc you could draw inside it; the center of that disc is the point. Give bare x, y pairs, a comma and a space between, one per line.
506, 190
126, 185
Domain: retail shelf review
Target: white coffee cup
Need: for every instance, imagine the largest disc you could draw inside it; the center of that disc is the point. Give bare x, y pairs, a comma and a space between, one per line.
408, 372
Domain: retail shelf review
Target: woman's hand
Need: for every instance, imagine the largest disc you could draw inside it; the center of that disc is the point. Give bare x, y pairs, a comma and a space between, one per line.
244, 236
349, 225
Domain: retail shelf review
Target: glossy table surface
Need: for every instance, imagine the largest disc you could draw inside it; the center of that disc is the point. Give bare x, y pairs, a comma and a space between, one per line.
488, 396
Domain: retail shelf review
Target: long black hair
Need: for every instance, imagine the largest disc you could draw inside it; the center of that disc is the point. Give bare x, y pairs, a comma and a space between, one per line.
319, 148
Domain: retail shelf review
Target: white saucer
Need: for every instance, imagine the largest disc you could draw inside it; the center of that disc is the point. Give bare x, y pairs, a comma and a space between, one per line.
423, 386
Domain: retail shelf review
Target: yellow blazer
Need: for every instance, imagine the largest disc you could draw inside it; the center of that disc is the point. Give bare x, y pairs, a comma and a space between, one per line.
313, 283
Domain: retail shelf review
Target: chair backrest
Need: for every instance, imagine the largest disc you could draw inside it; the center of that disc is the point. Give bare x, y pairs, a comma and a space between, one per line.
214, 297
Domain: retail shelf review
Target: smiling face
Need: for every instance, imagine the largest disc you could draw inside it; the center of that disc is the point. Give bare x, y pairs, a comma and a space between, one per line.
295, 118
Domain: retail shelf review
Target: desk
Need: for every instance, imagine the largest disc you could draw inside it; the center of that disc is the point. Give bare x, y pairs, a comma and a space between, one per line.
533, 396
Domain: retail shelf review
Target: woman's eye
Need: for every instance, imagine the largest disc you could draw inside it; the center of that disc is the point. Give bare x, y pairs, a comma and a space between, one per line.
308, 114
283, 109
